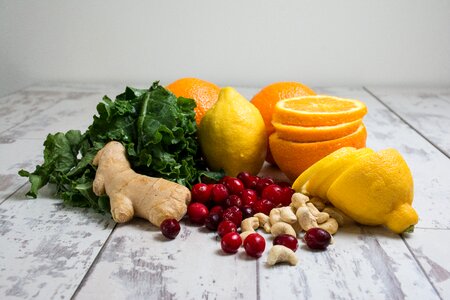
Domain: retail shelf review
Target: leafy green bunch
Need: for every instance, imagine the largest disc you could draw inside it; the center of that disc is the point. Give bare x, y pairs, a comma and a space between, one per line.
157, 129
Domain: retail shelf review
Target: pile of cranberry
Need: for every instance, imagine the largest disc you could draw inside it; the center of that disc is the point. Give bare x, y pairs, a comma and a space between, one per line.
222, 206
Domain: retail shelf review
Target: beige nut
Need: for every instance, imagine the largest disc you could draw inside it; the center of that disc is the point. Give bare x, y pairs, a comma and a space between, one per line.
287, 215
250, 224
275, 216
331, 225
280, 254
282, 228
264, 221
298, 200
306, 219
321, 217
337, 214
318, 203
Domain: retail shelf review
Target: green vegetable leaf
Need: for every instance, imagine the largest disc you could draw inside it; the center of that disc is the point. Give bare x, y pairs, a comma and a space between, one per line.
157, 129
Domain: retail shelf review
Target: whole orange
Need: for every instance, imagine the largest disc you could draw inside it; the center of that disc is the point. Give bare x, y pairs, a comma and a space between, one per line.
268, 96
203, 92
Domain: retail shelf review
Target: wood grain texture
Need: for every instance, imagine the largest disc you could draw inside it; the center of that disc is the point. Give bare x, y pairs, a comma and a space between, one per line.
47, 248
425, 109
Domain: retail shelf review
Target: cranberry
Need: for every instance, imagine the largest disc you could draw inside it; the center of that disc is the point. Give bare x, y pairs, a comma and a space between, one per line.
197, 212
248, 180
286, 240
317, 238
286, 196
272, 193
233, 200
219, 193
231, 242
248, 197
216, 210
243, 176
247, 212
225, 227
262, 183
234, 185
201, 192
222, 180
254, 245
212, 221
170, 228
233, 214
263, 206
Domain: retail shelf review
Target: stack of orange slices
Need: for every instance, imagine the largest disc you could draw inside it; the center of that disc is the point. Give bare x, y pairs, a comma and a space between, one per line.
309, 128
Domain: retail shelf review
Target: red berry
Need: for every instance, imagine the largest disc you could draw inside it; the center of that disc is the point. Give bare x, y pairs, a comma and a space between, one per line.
216, 210
219, 193
212, 221
242, 176
197, 212
248, 180
263, 206
249, 197
233, 200
317, 238
286, 240
225, 227
286, 196
262, 183
170, 228
254, 245
231, 242
234, 185
201, 192
272, 193
247, 212
233, 214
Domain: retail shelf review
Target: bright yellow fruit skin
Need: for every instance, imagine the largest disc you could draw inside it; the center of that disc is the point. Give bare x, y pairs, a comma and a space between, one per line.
232, 135
377, 190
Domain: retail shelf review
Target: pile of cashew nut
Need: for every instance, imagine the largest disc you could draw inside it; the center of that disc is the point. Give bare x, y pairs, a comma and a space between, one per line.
302, 214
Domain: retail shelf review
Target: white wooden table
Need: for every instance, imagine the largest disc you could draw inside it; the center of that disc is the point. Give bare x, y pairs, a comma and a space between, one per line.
48, 251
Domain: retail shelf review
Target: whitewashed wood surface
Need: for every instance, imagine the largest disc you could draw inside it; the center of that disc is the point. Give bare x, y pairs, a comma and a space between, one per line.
48, 251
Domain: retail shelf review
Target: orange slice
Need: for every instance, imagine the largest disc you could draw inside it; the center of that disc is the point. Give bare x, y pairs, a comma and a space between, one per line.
318, 110
315, 134
294, 158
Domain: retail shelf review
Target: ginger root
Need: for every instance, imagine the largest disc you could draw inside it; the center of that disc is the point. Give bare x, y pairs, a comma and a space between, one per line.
132, 194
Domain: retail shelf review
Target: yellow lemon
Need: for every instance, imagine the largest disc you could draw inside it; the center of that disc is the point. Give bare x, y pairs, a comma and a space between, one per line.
299, 184
232, 135
320, 182
377, 190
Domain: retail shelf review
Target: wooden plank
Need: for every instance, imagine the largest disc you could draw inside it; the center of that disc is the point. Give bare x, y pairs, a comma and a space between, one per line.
430, 168
139, 263
431, 248
47, 248
16, 155
425, 109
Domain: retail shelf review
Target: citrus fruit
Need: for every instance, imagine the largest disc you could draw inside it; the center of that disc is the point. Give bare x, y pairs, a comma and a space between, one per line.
315, 134
232, 135
321, 181
300, 182
268, 96
376, 190
293, 158
318, 110
203, 92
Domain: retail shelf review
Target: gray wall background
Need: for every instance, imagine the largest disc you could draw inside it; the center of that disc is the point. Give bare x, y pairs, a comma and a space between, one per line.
246, 43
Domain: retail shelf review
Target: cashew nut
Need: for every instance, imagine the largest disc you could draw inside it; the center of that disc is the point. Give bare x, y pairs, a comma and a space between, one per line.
331, 225
264, 221
250, 224
337, 214
306, 219
321, 217
279, 254
318, 203
298, 200
287, 215
275, 216
282, 228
